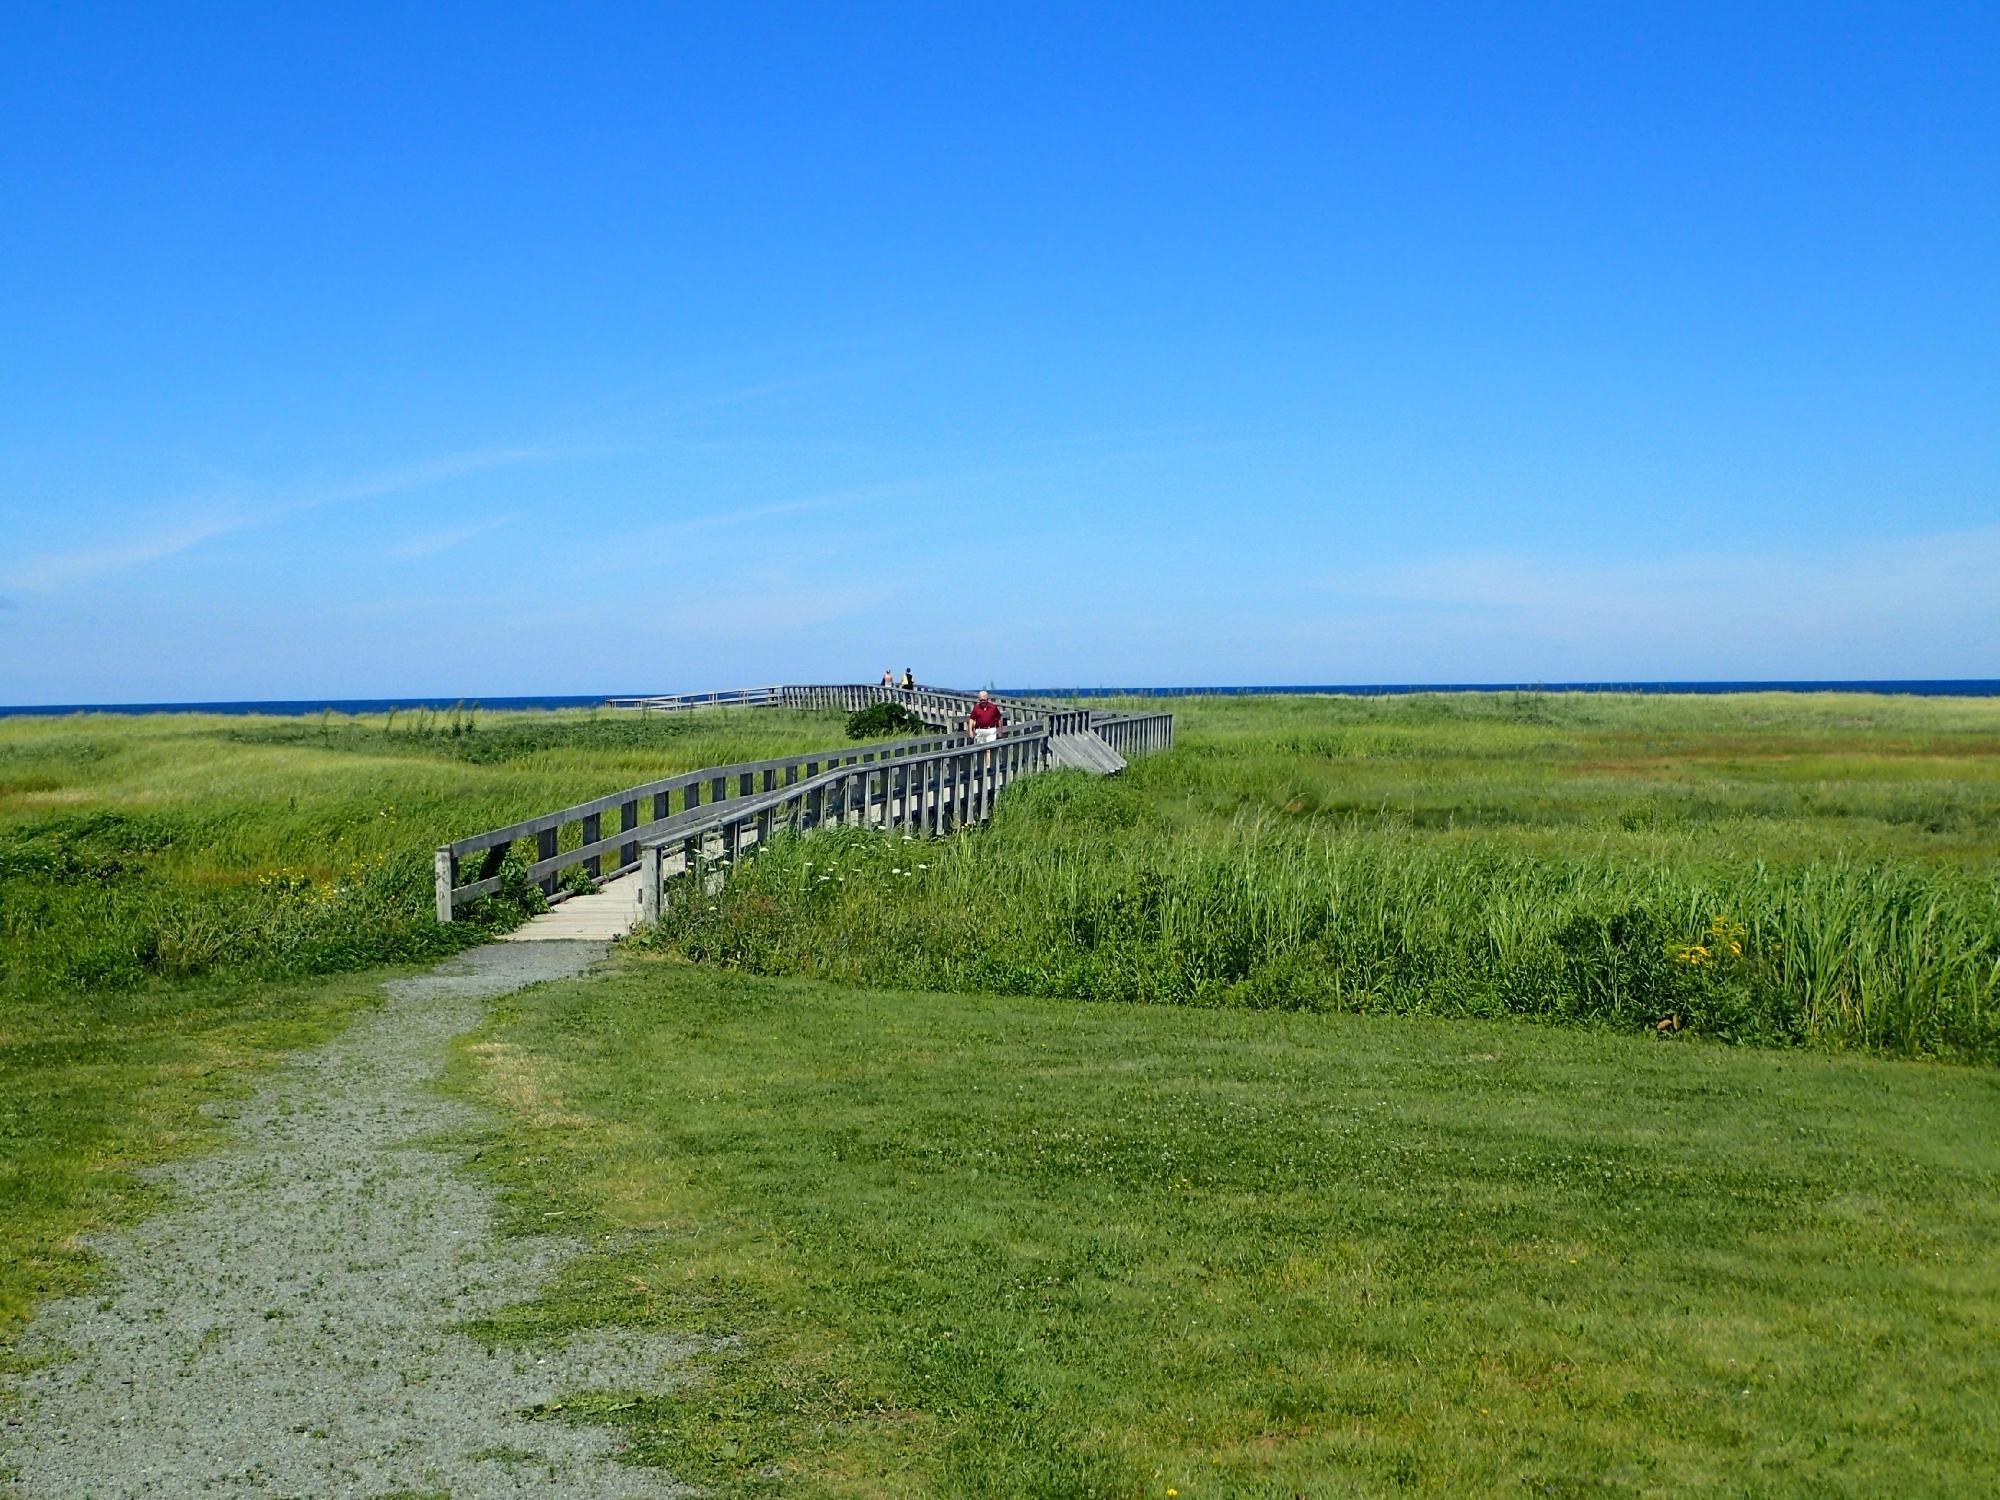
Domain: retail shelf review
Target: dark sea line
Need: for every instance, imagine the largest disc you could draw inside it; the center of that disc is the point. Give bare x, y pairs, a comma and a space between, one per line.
1943, 687
1967, 687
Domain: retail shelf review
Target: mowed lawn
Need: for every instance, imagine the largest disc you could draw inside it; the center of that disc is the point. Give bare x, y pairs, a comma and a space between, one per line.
973, 1245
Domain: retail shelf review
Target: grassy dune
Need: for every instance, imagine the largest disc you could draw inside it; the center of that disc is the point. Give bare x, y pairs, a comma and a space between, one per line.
1773, 868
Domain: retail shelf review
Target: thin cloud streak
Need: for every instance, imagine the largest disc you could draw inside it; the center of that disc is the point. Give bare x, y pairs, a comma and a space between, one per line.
1923, 574
49, 571
852, 495
55, 570
444, 541
1914, 606
830, 500
640, 558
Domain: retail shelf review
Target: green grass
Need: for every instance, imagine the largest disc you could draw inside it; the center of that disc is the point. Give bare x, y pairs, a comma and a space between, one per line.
1229, 1242
134, 848
987, 1246
171, 884
1769, 868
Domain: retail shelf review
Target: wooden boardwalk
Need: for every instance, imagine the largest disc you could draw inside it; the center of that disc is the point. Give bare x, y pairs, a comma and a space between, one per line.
600, 916
932, 785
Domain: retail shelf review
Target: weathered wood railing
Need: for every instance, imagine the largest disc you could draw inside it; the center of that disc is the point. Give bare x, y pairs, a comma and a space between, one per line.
1134, 734
939, 707
757, 697
692, 789
933, 783
933, 792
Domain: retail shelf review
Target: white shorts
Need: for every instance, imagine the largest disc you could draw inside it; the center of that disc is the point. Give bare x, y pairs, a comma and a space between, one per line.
985, 736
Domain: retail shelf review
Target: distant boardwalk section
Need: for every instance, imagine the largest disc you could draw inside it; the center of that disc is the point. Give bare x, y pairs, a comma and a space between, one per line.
693, 826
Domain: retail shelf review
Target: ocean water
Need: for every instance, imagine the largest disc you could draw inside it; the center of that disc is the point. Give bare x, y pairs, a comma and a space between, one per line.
1948, 687
1964, 687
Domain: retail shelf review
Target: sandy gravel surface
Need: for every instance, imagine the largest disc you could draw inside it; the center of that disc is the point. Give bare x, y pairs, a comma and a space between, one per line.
287, 1327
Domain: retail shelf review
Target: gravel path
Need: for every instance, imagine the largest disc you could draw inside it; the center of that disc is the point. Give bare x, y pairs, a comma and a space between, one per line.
287, 1328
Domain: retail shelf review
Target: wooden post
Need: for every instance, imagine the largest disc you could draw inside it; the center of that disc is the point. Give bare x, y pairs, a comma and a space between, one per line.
446, 867
545, 848
628, 819
649, 883
593, 830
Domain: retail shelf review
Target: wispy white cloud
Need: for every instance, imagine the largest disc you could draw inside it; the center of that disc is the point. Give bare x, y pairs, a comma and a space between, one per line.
860, 494
1908, 572
776, 609
444, 541
55, 570
1911, 604
210, 520
760, 598
642, 551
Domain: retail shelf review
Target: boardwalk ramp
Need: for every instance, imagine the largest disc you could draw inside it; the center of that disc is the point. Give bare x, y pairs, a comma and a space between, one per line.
1086, 752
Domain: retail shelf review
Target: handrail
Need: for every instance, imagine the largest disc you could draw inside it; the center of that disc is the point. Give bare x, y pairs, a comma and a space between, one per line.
757, 697
941, 706
1135, 734
940, 703
934, 791
708, 786
681, 781
716, 800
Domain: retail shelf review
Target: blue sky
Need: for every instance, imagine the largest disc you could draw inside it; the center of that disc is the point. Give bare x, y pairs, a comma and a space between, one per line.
489, 350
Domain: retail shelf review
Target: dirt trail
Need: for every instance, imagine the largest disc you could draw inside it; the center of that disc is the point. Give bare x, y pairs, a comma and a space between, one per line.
287, 1327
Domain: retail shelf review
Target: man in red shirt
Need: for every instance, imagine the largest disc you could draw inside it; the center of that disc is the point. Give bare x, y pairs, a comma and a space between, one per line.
984, 722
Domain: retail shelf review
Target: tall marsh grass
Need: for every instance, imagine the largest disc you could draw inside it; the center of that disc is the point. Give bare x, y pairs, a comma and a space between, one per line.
1184, 885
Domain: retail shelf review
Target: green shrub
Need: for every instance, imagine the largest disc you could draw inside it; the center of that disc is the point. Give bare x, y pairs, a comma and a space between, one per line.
879, 719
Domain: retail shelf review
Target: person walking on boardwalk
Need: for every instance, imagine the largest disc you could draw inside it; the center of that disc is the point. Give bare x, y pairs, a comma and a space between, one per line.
984, 721
909, 681
888, 677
